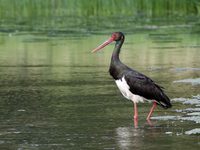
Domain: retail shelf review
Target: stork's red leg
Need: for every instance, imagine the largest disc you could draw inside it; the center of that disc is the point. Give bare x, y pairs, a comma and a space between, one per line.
135, 115
151, 111
135, 111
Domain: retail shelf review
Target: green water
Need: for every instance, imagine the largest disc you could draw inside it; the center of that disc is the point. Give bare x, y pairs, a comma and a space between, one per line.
56, 94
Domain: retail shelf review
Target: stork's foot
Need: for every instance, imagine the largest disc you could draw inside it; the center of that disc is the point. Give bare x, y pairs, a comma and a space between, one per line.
149, 123
148, 118
135, 122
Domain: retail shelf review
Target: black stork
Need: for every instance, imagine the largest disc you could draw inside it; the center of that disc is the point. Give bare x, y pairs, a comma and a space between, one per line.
133, 85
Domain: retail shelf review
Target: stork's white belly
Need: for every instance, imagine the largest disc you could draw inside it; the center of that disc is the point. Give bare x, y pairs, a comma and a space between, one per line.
125, 90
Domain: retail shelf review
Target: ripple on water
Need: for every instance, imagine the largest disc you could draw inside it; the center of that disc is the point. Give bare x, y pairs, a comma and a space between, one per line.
193, 131
195, 119
187, 114
194, 114
169, 132
192, 109
165, 117
185, 69
195, 100
195, 81
188, 110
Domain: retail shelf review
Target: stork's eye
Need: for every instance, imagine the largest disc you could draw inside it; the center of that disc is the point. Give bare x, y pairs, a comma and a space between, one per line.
116, 36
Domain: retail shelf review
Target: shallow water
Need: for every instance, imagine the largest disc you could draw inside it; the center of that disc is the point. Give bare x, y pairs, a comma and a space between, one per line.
55, 94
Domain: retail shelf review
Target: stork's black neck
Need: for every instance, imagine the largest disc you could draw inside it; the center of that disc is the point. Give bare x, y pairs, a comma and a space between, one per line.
116, 66
116, 51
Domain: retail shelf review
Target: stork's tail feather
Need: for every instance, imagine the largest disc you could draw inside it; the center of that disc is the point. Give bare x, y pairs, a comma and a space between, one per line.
164, 105
164, 101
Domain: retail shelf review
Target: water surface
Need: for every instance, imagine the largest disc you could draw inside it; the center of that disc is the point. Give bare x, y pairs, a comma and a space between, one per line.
55, 94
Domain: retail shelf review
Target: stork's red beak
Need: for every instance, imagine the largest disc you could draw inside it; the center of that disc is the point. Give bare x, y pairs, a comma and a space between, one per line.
110, 40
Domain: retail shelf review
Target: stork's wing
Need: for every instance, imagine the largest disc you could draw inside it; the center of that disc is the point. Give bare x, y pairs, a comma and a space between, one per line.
142, 85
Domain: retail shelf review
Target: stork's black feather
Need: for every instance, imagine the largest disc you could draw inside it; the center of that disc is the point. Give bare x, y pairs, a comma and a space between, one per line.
143, 86
139, 84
